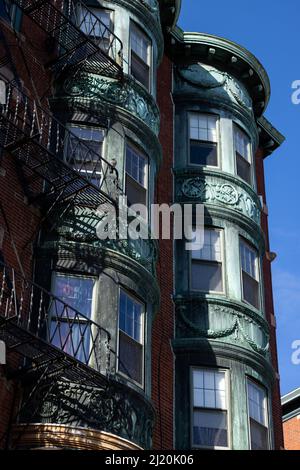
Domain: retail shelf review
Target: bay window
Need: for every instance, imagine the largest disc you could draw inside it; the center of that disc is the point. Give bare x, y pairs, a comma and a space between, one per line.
243, 156
250, 274
140, 56
86, 159
131, 337
210, 408
203, 136
207, 262
258, 416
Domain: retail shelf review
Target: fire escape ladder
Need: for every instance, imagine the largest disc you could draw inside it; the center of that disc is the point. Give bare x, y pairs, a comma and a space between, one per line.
43, 145
51, 334
80, 37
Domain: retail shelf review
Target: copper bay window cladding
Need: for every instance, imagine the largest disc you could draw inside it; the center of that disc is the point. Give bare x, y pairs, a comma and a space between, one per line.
47, 148
80, 36
47, 331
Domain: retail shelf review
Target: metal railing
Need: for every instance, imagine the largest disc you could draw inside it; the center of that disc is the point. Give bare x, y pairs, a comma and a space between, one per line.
28, 306
45, 146
79, 35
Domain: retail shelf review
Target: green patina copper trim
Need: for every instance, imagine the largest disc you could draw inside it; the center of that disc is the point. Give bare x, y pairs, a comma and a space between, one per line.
219, 188
231, 57
127, 95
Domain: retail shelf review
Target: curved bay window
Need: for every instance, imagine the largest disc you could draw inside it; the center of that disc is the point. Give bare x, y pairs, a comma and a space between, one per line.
203, 139
210, 409
131, 337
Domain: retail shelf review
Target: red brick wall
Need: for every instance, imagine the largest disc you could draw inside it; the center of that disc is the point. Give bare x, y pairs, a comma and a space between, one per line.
21, 225
163, 328
269, 305
291, 431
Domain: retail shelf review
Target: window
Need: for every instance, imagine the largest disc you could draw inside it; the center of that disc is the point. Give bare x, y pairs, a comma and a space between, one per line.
203, 139
258, 416
136, 177
98, 30
131, 337
11, 13
250, 276
77, 292
140, 46
86, 159
210, 409
243, 154
206, 270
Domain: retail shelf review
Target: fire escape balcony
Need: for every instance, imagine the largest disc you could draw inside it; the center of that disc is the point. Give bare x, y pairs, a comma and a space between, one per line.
70, 169
81, 39
67, 369
49, 333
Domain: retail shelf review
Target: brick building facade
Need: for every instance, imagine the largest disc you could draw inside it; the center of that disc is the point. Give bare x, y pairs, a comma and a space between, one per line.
291, 420
132, 344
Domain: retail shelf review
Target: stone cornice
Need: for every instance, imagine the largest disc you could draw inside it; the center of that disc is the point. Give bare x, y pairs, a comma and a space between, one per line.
227, 55
270, 137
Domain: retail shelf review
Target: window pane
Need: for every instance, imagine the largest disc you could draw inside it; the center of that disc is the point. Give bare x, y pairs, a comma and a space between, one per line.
90, 26
249, 259
242, 143
207, 276
199, 397
209, 380
250, 290
259, 436
257, 403
209, 399
203, 153
140, 70
210, 428
136, 165
198, 378
140, 44
130, 357
130, 313
75, 291
243, 168
203, 127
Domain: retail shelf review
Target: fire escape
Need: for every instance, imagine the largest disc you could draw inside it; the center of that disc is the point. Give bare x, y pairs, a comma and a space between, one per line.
54, 339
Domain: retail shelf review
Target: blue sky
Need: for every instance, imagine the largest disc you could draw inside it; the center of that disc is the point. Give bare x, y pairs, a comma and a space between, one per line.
270, 30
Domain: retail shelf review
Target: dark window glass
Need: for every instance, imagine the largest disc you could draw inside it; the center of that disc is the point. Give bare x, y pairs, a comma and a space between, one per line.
250, 290
203, 153
259, 436
207, 276
140, 70
130, 357
243, 168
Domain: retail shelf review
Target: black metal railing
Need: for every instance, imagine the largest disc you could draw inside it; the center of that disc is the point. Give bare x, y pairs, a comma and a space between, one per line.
81, 37
45, 146
29, 307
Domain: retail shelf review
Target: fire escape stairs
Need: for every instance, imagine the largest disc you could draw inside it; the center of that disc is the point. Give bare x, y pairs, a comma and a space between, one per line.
44, 146
80, 38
